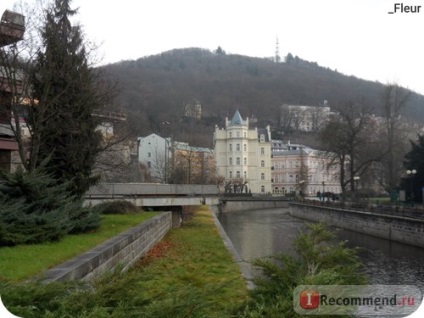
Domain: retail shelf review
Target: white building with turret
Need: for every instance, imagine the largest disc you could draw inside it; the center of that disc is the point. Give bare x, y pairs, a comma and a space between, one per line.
243, 155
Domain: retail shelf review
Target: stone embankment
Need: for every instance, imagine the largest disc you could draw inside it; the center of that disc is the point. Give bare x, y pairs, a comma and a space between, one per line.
120, 251
392, 227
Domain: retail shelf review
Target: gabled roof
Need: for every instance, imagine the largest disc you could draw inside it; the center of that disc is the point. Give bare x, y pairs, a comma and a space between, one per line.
263, 131
237, 120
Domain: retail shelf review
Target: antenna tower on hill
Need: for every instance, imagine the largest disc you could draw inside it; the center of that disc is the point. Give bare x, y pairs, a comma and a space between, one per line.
277, 52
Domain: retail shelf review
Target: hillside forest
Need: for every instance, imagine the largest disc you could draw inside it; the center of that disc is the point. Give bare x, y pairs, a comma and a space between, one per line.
156, 91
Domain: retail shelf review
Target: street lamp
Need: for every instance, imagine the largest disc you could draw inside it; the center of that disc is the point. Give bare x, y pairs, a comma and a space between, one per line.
301, 182
355, 182
411, 174
167, 140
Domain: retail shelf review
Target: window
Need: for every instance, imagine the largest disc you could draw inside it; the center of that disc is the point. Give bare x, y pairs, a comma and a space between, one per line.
263, 189
276, 179
149, 164
262, 138
238, 174
231, 134
262, 150
245, 161
238, 161
238, 147
231, 147
262, 176
244, 135
238, 134
231, 174
245, 147
262, 163
245, 174
231, 161
149, 154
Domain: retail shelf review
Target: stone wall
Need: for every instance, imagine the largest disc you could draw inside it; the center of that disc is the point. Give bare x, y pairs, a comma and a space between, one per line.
120, 251
396, 228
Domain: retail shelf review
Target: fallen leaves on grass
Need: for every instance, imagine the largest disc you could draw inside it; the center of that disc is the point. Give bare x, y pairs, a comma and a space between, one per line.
157, 251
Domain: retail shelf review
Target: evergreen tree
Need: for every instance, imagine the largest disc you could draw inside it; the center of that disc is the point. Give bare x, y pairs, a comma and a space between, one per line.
414, 161
35, 209
319, 261
67, 90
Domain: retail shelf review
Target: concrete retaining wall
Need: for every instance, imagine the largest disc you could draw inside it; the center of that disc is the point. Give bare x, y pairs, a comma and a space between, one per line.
122, 250
396, 228
233, 204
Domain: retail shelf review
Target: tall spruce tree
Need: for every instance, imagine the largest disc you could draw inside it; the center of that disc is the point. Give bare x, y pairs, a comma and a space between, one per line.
67, 91
414, 161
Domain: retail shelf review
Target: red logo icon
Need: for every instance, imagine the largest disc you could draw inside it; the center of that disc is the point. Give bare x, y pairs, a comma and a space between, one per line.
309, 299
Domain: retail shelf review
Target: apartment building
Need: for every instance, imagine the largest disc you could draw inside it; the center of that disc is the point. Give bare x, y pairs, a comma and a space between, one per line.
243, 155
300, 169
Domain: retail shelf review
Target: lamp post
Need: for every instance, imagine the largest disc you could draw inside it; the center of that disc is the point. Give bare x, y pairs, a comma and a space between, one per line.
167, 140
301, 182
323, 191
411, 173
356, 181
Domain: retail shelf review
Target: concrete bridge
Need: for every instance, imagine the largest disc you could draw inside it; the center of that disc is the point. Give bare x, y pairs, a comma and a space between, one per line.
153, 194
157, 195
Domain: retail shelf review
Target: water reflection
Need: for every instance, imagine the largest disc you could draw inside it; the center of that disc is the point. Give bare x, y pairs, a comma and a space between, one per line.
260, 233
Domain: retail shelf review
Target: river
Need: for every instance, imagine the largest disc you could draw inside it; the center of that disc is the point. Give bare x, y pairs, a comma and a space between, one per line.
262, 233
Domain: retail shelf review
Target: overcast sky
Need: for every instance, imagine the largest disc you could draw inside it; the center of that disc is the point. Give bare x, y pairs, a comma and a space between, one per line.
356, 37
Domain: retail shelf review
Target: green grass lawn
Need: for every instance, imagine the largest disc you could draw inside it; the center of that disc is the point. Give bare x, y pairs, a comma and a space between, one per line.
24, 261
193, 259
189, 273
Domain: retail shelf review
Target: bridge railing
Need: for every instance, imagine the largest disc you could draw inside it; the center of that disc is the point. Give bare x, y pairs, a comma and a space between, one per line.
151, 189
396, 210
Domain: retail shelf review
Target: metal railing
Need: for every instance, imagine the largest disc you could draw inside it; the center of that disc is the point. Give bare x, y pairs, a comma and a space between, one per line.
416, 212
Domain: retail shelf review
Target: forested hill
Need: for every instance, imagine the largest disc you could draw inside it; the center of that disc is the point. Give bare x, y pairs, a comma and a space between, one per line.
155, 90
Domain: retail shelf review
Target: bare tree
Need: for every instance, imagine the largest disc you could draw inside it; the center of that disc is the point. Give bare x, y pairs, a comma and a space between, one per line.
347, 140
303, 174
16, 72
54, 89
317, 117
395, 100
193, 166
285, 118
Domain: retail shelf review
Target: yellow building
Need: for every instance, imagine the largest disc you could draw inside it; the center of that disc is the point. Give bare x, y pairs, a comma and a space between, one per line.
192, 165
243, 156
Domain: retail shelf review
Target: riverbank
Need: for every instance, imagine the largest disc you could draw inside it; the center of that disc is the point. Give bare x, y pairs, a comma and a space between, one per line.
189, 273
23, 262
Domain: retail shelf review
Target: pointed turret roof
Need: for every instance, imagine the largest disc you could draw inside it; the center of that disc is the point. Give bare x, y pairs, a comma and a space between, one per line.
237, 120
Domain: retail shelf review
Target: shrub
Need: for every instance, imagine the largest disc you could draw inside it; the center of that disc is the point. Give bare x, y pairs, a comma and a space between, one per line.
117, 207
319, 261
34, 209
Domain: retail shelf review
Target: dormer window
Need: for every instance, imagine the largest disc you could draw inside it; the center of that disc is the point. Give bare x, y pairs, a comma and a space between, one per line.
262, 137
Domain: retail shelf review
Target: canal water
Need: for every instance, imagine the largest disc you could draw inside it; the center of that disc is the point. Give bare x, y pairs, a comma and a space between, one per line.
261, 233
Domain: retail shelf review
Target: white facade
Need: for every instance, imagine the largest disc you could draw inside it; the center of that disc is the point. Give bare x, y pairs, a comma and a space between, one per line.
304, 118
243, 154
154, 153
